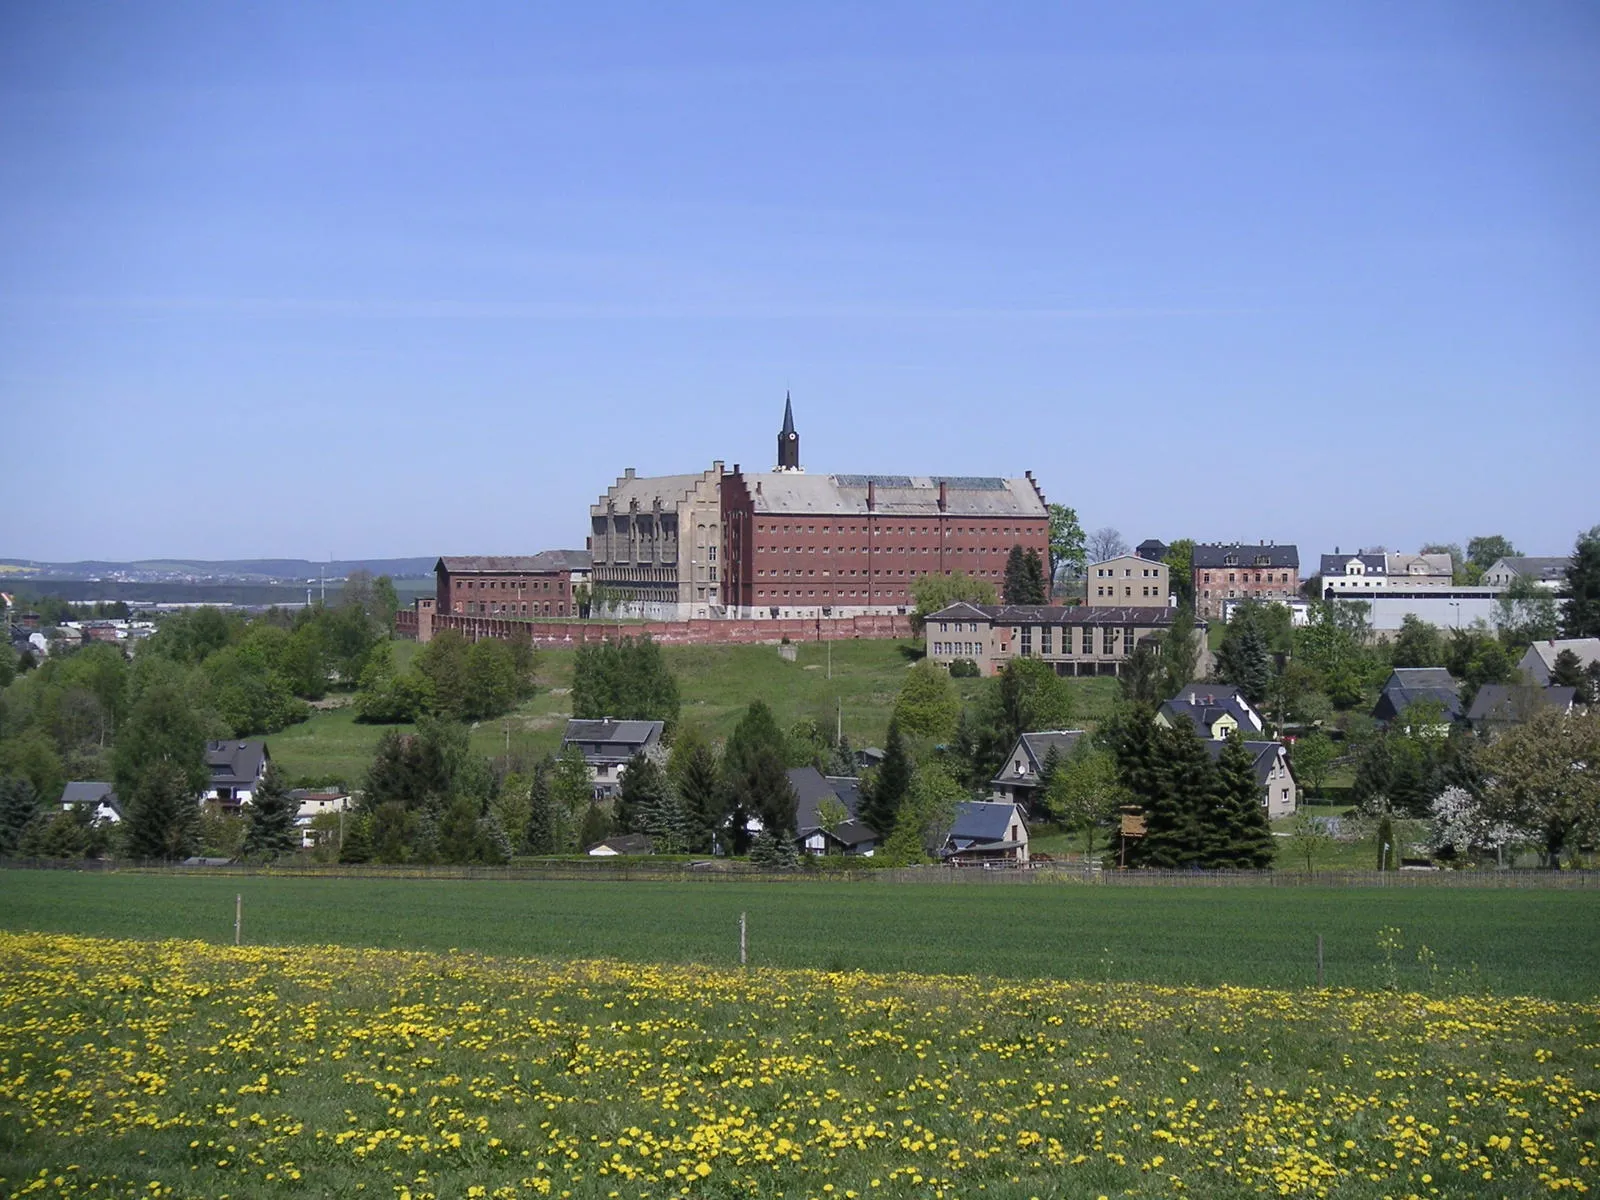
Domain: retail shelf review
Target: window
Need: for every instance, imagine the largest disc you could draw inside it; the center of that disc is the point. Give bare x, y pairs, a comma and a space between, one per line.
1044, 640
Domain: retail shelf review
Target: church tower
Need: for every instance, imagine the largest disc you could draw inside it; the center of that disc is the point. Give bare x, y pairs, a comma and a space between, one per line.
788, 440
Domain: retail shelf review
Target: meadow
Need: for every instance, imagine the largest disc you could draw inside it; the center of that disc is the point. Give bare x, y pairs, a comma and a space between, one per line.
1437, 940
853, 683
185, 1069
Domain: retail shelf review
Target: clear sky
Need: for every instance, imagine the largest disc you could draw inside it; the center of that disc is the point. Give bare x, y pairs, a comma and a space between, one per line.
371, 279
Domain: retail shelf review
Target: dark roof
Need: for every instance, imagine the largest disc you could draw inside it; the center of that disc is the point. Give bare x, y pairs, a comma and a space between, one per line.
1204, 703
1243, 554
853, 833
1035, 749
983, 821
1262, 754
234, 764
546, 562
1545, 569
1409, 685
611, 740
1153, 549
1334, 564
848, 789
811, 788
1512, 702
788, 415
86, 792
1053, 614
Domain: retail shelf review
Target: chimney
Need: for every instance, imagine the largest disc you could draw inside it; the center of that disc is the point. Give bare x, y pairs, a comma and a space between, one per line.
872, 496
758, 487
735, 468
944, 495
627, 472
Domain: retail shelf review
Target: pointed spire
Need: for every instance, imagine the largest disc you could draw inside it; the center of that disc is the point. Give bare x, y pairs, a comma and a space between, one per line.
788, 414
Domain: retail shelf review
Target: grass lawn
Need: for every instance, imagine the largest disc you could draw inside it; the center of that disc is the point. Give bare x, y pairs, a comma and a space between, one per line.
1511, 941
715, 683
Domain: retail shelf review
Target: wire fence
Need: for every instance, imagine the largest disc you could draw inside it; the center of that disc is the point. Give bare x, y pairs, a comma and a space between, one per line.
722, 871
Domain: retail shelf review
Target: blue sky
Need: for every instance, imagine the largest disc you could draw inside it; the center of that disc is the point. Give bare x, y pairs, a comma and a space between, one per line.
373, 279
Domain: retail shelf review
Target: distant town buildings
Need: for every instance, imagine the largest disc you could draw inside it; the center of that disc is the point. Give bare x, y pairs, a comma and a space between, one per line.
1547, 573
1360, 575
1241, 571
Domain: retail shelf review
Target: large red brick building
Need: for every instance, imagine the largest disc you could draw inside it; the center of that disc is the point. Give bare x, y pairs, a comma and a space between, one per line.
799, 545
510, 585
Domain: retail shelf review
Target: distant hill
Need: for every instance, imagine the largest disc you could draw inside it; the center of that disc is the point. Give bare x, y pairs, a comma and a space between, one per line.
251, 570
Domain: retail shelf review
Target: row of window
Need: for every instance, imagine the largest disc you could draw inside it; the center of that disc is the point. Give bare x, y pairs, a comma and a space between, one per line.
1111, 640
961, 626
486, 608
1127, 572
1127, 590
1282, 578
959, 649
879, 550
827, 594
963, 530
506, 585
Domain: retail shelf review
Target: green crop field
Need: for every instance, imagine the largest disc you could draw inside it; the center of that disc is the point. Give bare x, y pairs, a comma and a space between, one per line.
1534, 941
854, 682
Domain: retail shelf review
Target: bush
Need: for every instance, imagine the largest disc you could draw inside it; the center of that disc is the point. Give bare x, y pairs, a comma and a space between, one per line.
964, 668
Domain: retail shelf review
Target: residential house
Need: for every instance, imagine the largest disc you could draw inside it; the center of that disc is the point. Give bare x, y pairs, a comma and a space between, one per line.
1498, 705
607, 746
1271, 759
1359, 575
313, 803
1127, 581
813, 790
100, 799
1547, 573
1018, 780
987, 831
1418, 685
1214, 709
1540, 658
623, 844
237, 768
1241, 571
1074, 641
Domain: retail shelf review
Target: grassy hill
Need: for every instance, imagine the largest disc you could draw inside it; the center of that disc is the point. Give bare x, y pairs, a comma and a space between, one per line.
715, 683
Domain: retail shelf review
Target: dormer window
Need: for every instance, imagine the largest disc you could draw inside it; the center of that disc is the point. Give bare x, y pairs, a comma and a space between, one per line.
1230, 560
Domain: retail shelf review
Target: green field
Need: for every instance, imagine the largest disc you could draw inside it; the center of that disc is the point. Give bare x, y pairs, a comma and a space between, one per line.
854, 682
1509, 941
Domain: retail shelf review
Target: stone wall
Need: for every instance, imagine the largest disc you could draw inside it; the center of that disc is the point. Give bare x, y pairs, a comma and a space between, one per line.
667, 633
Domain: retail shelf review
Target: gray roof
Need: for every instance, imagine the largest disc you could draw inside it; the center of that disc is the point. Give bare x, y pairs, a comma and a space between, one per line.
1587, 650
671, 490
896, 495
1204, 703
545, 562
627, 843
1511, 702
611, 741
236, 763
982, 821
1334, 564
1216, 554
85, 792
1055, 614
1549, 570
1410, 685
811, 788
1263, 756
853, 833
1153, 549
1035, 749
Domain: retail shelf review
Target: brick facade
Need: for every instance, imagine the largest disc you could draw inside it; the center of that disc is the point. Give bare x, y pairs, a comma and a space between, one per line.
1236, 571
421, 624
798, 545
519, 586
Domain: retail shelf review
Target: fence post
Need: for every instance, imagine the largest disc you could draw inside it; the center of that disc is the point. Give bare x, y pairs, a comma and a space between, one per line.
238, 916
741, 940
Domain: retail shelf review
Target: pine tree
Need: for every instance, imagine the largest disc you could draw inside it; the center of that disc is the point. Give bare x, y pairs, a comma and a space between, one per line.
494, 844
644, 785
773, 852
1014, 586
540, 835
880, 807
163, 815
357, 844
18, 803
596, 827
1243, 658
1388, 854
1047, 771
1243, 837
1175, 834
1033, 578
1580, 612
1567, 670
272, 814
697, 776
748, 781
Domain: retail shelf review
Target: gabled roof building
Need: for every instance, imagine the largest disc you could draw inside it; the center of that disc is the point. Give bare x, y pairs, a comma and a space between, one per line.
1019, 777
1243, 571
236, 767
1413, 685
607, 745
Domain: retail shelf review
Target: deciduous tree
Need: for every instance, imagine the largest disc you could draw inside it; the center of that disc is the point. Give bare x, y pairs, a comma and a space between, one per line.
1068, 547
928, 705
931, 593
1541, 775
